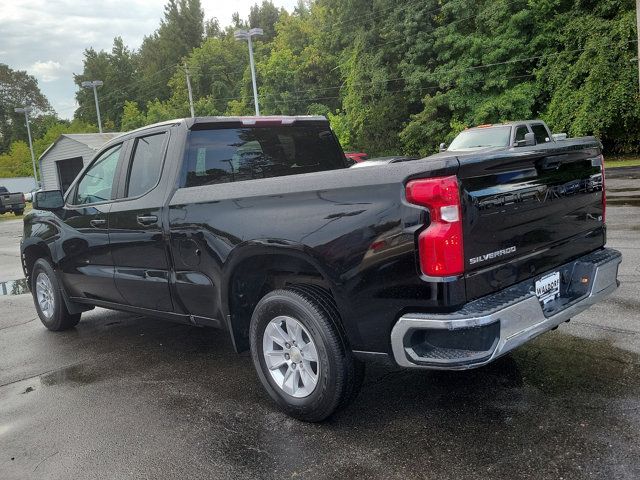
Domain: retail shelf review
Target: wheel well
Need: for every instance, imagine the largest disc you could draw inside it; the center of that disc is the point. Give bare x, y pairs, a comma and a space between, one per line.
32, 254
256, 276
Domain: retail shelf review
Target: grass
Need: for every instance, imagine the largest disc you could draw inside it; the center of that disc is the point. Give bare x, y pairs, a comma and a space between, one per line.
12, 216
621, 162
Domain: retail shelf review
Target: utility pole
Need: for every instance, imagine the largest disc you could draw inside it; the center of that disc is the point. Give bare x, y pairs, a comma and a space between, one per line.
244, 35
186, 70
95, 84
26, 111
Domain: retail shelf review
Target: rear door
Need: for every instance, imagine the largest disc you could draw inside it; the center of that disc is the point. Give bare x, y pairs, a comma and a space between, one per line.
135, 226
528, 211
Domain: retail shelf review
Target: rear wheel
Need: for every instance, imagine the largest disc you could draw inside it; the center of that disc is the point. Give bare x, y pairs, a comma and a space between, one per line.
300, 354
18, 212
48, 299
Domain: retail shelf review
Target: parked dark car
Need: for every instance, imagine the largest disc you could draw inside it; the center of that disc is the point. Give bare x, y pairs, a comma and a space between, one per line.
256, 226
11, 202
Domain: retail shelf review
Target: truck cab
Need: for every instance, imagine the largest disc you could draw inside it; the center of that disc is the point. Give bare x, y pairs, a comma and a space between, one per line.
501, 136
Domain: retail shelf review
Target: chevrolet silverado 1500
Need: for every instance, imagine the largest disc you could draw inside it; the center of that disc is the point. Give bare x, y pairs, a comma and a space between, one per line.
255, 225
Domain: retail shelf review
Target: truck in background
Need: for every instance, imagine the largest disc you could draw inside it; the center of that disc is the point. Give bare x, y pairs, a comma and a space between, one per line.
11, 202
523, 133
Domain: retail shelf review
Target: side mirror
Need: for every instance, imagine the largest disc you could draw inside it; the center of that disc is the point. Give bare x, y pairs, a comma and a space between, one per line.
443, 147
49, 200
529, 141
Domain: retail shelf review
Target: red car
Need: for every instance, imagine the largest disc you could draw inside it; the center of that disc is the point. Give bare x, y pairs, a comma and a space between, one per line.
357, 157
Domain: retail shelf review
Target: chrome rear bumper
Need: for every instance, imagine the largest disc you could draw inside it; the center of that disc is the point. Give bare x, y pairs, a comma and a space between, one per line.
492, 326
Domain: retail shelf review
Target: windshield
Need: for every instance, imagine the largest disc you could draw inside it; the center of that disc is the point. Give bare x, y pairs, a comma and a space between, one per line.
481, 137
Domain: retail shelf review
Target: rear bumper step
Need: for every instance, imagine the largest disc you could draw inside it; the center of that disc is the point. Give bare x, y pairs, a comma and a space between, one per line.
496, 324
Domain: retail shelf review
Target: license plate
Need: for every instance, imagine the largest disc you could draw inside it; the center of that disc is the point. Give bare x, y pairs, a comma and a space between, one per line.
548, 287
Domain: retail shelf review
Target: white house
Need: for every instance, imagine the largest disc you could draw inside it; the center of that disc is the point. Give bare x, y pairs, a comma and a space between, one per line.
63, 160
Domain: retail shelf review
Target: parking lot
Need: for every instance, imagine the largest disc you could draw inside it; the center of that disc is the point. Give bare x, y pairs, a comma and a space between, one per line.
123, 396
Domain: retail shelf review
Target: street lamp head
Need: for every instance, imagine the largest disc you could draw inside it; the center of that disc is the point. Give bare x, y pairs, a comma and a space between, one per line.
244, 35
92, 83
23, 109
241, 34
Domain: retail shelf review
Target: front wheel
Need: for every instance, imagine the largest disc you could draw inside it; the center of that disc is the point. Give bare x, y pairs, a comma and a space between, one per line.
48, 300
300, 354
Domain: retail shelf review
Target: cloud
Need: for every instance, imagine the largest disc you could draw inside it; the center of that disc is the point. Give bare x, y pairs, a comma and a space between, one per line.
47, 38
46, 71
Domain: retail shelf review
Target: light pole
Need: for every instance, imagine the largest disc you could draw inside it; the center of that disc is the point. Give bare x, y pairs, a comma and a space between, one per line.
186, 70
246, 35
95, 84
26, 111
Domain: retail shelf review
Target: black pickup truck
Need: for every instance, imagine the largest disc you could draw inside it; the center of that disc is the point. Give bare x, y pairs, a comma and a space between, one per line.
255, 225
11, 202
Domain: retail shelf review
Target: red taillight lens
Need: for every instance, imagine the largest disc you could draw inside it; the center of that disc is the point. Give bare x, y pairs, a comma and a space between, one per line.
440, 245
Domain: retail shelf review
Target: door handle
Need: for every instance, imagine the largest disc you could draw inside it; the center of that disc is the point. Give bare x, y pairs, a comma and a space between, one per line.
147, 219
97, 222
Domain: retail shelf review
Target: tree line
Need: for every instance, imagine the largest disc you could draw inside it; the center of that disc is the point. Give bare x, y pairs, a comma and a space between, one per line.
392, 77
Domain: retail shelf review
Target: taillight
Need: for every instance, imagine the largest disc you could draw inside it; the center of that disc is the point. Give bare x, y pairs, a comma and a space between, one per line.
439, 245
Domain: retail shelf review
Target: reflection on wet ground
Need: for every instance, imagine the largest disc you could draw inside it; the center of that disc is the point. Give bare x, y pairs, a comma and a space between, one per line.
562, 406
14, 287
615, 199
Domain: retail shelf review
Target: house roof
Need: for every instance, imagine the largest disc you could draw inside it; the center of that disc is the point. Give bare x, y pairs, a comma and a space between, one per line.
91, 140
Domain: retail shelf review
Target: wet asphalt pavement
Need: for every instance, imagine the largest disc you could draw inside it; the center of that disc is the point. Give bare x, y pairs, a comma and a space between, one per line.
122, 396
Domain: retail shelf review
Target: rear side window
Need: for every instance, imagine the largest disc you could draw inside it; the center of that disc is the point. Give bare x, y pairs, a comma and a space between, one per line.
540, 133
224, 155
146, 164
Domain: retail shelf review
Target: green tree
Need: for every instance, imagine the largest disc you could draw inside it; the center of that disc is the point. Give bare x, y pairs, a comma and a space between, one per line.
265, 16
17, 89
118, 72
180, 31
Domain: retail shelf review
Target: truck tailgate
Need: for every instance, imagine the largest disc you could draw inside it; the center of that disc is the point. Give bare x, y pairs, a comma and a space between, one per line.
527, 212
10, 199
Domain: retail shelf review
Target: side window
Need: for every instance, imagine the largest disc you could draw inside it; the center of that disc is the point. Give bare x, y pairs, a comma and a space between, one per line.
540, 133
146, 164
97, 182
521, 131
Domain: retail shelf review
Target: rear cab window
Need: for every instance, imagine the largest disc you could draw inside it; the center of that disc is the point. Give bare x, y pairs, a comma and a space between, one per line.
232, 154
540, 133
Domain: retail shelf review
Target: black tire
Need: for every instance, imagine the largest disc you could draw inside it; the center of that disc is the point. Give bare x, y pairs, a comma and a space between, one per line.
340, 375
18, 212
60, 318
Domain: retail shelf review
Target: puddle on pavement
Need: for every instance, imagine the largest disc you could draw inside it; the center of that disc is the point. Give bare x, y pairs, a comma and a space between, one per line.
74, 374
14, 287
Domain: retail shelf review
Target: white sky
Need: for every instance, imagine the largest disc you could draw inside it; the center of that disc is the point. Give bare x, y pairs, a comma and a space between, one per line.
47, 38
